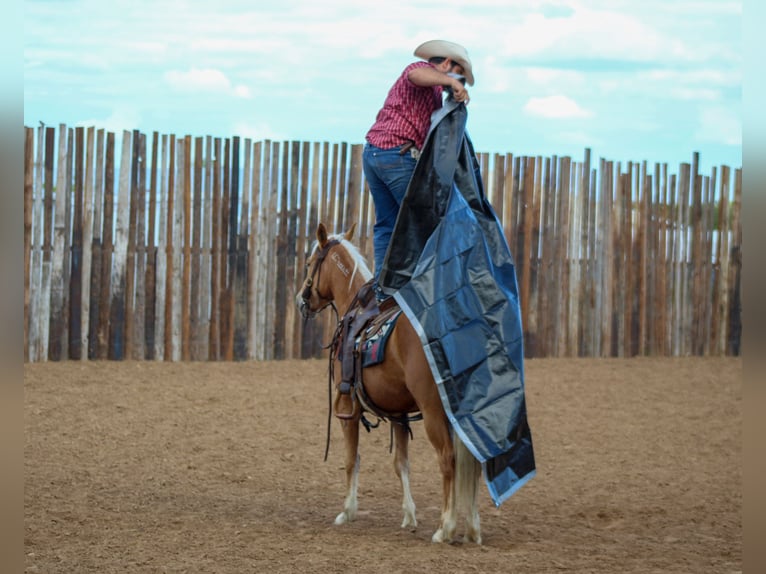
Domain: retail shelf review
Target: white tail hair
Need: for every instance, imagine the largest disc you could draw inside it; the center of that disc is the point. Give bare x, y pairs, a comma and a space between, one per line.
467, 473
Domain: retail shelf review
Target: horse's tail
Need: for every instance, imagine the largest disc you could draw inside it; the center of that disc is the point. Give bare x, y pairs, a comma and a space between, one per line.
467, 474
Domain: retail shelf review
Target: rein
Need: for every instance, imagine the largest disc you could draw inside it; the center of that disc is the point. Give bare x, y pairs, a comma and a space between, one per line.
316, 271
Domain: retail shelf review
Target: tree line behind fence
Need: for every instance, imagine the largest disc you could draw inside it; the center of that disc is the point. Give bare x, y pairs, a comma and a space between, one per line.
193, 248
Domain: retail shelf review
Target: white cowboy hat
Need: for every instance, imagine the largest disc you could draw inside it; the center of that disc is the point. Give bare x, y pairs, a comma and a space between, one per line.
444, 49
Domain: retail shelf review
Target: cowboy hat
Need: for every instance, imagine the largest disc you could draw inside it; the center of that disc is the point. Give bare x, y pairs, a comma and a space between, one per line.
444, 49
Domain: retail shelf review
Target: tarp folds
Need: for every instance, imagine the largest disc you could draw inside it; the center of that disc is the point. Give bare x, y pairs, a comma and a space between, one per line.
449, 267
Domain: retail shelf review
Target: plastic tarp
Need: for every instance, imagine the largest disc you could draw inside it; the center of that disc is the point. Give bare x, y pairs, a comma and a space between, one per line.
450, 269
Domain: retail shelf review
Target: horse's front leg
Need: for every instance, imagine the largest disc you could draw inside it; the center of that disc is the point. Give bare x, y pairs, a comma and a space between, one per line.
351, 439
402, 469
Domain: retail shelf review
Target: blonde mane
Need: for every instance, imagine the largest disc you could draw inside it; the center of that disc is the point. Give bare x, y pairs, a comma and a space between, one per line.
359, 262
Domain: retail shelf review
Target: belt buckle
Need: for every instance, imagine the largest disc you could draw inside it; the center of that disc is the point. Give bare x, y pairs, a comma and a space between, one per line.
415, 153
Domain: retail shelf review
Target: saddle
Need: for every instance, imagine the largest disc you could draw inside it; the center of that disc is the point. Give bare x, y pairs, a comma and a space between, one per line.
359, 340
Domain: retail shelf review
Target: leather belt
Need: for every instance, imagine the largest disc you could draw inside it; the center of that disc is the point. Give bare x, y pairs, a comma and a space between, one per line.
409, 146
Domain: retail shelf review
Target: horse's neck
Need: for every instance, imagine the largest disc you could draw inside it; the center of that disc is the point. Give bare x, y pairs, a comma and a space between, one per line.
346, 296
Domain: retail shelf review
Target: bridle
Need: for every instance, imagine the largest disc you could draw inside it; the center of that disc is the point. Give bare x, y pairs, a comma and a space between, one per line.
316, 272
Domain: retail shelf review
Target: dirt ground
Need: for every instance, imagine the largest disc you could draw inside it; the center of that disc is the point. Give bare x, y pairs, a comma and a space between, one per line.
201, 467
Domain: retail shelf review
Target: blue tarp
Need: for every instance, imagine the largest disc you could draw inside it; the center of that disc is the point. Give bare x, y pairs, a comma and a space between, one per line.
450, 269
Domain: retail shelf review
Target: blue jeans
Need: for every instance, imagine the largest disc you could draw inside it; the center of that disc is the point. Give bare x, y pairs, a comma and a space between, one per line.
388, 174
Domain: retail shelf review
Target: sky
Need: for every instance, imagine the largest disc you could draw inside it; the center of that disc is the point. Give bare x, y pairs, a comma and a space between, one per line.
649, 80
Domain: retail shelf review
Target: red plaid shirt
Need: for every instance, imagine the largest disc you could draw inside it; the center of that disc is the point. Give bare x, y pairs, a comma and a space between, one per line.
406, 113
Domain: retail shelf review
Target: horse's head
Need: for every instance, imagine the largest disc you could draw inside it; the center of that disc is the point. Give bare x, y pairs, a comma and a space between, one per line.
331, 269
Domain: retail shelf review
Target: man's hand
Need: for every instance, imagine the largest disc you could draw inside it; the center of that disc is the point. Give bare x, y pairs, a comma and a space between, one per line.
459, 93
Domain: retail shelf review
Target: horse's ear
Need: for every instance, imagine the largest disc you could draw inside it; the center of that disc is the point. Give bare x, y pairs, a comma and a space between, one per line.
321, 235
350, 233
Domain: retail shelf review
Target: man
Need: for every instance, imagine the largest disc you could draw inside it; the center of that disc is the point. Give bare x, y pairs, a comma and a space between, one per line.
400, 129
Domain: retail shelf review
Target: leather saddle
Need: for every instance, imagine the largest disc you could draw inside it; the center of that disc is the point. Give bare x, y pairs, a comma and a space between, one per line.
364, 319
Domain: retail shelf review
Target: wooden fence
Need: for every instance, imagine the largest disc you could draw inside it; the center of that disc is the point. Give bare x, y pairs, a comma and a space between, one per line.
181, 248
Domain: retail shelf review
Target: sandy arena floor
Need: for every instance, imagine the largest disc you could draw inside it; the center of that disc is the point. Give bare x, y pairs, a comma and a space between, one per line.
216, 467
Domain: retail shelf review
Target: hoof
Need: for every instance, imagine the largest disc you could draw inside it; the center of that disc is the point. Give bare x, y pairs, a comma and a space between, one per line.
409, 522
342, 518
475, 538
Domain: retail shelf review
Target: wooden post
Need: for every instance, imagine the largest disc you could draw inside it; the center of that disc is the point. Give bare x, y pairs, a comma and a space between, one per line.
138, 335
602, 267
301, 334
107, 253
341, 192
575, 259
185, 303
195, 335
253, 293
238, 272
291, 238
262, 248
271, 262
281, 247
243, 309
627, 242
117, 331
29, 162
642, 265
40, 281
150, 285
312, 328
708, 190
527, 219
96, 272
162, 256
214, 340
58, 317
545, 269
587, 237
533, 262
172, 259
720, 303
734, 327
562, 256
207, 254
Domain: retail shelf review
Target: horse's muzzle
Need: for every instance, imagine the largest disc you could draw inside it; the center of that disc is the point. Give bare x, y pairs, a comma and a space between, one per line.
303, 307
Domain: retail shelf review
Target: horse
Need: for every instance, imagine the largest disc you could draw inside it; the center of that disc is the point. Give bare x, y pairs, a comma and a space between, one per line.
399, 386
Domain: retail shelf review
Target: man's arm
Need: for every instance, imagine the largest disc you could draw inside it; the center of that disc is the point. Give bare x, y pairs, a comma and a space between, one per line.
426, 77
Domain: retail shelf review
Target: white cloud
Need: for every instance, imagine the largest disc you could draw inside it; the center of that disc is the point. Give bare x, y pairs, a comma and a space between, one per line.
257, 132
242, 92
588, 33
695, 94
552, 76
558, 106
122, 118
208, 80
582, 139
719, 125
196, 79
148, 48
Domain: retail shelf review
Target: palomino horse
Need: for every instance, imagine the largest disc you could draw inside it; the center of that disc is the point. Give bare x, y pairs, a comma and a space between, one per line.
401, 384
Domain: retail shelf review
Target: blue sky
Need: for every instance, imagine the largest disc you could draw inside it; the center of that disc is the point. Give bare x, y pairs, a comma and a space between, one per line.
632, 80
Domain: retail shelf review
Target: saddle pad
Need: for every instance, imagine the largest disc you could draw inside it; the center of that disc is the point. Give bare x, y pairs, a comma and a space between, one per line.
373, 348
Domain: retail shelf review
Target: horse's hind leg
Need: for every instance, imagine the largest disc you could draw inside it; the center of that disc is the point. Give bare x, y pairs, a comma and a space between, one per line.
467, 474
351, 436
437, 429
402, 469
